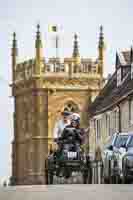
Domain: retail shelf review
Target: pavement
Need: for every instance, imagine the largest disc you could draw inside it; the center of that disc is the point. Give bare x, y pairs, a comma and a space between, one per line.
67, 192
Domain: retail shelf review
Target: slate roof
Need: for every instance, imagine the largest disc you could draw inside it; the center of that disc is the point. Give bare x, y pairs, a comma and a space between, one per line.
126, 55
111, 94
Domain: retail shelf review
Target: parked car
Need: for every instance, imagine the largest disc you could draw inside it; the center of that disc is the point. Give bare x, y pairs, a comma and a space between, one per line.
124, 160
110, 154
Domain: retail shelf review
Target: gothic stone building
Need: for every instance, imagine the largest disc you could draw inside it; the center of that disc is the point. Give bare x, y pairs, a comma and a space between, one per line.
112, 110
41, 90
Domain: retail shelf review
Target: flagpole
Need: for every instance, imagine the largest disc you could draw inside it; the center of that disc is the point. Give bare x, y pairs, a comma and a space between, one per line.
56, 45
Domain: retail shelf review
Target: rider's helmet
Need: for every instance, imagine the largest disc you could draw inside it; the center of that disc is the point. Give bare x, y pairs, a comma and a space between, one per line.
75, 117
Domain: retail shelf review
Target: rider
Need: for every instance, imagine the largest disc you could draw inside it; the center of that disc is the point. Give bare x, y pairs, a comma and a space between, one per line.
59, 127
78, 135
73, 136
74, 123
79, 132
61, 124
61, 132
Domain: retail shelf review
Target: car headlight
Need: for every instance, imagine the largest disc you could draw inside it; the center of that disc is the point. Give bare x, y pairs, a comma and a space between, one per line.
128, 160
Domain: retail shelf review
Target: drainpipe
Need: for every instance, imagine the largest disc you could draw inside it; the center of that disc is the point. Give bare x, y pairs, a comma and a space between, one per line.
119, 117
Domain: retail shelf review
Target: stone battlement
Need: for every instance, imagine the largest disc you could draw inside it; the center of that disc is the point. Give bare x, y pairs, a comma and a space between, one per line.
57, 68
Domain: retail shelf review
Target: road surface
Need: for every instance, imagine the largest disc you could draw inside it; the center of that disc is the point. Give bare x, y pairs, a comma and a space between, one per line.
68, 192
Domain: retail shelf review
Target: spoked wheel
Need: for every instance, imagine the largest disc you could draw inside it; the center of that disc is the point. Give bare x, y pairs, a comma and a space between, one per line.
67, 172
116, 179
87, 172
87, 176
106, 180
50, 178
48, 174
46, 177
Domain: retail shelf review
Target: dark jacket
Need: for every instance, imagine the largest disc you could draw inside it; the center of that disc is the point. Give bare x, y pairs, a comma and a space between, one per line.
77, 134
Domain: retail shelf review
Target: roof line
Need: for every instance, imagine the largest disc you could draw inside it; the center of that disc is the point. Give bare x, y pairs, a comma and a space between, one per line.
122, 98
122, 59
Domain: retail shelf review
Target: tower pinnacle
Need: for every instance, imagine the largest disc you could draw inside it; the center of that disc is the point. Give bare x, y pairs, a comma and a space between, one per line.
14, 45
14, 55
101, 51
76, 55
75, 48
101, 38
39, 51
38, 37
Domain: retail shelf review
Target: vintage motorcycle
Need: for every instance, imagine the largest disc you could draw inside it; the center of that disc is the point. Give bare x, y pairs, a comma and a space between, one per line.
68, 158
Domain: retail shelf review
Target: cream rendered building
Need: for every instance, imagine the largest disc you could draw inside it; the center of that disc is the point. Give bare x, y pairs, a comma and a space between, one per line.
112, 110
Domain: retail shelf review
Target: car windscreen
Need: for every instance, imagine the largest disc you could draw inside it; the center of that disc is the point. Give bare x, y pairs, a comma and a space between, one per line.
121, 141
130, 143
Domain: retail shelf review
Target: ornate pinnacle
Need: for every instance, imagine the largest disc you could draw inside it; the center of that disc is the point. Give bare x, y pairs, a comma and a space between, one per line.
101, 38
38, 31
38, 37
14, 45
75, 49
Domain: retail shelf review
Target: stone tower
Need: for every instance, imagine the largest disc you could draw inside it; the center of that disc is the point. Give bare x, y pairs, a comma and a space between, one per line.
41, 90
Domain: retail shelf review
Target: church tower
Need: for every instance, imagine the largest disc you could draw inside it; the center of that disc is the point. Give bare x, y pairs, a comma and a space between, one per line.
41, 91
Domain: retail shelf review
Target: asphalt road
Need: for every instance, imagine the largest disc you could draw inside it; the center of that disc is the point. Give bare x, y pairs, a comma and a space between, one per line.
68, 192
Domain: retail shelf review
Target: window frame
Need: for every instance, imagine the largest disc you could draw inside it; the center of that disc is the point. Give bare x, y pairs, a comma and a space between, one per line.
119, 76
131, 111
131, 70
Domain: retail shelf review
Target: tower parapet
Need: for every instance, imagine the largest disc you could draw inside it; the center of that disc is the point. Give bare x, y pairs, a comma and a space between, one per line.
52, 68
72, 67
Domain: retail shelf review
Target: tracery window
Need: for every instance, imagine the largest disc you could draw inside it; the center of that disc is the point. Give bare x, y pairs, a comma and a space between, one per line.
71, 107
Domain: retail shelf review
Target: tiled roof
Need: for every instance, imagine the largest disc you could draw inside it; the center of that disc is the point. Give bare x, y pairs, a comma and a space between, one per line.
110, 95
126, 55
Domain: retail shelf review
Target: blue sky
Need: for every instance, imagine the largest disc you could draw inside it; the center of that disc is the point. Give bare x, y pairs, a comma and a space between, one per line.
83, 17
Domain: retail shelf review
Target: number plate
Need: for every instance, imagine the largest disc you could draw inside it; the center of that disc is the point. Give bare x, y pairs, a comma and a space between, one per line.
71, 154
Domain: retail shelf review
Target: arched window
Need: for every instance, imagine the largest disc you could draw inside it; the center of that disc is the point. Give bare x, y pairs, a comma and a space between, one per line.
71, 107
